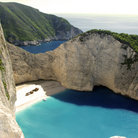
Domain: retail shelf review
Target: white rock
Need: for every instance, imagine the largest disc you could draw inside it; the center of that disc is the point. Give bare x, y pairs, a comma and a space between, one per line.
80, 65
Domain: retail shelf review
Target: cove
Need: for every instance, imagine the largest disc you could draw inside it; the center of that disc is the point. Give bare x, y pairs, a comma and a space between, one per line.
43, 47
73, 114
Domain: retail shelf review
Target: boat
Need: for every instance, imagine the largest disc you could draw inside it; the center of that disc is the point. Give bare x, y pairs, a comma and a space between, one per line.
44, 99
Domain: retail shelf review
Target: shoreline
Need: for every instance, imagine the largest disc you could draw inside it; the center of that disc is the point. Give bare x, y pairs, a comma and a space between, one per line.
46, 89
35, 42
25, 105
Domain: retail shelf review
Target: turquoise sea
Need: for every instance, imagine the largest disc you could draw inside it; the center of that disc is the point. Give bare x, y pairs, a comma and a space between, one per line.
73, 114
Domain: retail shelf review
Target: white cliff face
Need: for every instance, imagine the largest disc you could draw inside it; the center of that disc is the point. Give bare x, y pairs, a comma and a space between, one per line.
29, 67
81, 65
96, 61
8, 125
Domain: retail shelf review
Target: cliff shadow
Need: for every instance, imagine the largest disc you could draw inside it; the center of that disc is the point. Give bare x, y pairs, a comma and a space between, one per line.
100, 96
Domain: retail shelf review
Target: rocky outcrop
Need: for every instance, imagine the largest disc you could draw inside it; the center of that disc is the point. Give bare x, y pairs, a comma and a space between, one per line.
29, 67
8, 125
60, 35
72, 32
25, 43
81, 64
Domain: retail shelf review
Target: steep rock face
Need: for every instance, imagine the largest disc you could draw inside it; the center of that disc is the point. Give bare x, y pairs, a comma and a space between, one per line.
72, 32
96, 61
80, 65
28, 67
8, 125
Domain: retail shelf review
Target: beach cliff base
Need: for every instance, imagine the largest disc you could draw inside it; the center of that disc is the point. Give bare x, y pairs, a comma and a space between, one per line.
32, 92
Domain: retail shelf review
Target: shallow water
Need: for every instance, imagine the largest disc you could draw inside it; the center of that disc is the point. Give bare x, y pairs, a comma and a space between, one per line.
72, 114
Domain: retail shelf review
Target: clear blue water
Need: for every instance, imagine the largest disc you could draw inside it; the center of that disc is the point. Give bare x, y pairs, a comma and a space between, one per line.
43, 47
72, 114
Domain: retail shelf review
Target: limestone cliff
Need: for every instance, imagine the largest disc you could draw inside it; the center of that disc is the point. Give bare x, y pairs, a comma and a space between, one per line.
8, 125
28, 67
80, 64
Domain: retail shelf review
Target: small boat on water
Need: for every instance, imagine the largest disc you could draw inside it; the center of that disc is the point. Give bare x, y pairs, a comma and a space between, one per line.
44, 99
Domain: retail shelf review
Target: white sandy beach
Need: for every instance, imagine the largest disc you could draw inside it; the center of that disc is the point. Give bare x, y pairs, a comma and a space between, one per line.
44, 89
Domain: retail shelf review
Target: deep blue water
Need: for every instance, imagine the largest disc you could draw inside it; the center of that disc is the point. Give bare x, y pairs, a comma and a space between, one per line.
72, 114
43, 47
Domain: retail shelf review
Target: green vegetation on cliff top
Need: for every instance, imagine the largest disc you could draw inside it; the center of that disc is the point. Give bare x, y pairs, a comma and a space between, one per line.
131, 40
24, 23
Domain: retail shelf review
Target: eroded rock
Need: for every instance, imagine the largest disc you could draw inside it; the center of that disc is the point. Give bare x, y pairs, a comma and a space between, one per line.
8, 126
81, 65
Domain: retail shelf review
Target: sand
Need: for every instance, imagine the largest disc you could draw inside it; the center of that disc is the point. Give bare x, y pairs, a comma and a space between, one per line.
44, 90
118, 137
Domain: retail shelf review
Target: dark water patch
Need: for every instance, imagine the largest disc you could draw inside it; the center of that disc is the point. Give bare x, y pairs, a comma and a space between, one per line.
72, 114
43, 47
100, 96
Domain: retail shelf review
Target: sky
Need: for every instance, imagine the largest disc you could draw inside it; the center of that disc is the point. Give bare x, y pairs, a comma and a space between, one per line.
83, 6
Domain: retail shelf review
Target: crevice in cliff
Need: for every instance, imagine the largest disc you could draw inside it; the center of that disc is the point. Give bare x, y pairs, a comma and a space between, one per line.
129, 61
2, 69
